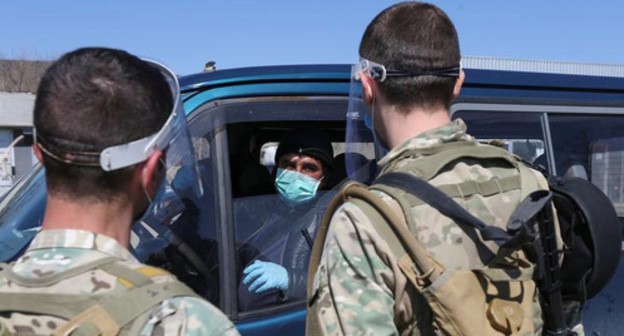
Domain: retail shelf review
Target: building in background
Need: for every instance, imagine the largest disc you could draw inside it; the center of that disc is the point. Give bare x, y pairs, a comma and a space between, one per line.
18, 83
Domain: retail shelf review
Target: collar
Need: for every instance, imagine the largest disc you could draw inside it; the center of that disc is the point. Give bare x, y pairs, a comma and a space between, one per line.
80, 239
452, 132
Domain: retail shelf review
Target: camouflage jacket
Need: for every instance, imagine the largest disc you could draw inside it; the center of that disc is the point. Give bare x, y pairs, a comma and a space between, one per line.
54, 251
359, 285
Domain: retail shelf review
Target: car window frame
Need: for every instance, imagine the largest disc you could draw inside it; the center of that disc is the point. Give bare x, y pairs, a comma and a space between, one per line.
543, 109
218, 143
546, 112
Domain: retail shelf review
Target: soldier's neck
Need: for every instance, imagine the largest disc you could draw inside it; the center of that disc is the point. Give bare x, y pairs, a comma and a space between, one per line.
404, 126
112, 219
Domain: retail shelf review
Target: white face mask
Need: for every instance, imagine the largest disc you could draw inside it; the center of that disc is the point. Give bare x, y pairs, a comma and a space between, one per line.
294, 187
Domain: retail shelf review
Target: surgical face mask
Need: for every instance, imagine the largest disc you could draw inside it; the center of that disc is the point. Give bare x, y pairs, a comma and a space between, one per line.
294, 187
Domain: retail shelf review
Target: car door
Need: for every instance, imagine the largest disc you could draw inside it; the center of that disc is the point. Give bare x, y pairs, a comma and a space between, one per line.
232, 137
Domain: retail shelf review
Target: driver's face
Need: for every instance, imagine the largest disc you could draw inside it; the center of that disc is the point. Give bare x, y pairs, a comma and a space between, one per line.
303, 164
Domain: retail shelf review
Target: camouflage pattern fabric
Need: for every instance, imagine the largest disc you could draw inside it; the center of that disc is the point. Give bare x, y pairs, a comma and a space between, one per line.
360, 287
55, 251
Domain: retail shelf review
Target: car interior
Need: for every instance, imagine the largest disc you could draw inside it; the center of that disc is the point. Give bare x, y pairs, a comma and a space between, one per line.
255, 201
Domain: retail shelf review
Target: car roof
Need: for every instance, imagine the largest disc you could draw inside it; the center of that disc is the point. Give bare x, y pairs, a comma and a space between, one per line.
313, 72
479, 71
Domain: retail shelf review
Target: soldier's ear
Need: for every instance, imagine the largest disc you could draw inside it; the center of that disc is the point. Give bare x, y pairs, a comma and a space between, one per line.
369, 89
151, 172
37, 152
458, 84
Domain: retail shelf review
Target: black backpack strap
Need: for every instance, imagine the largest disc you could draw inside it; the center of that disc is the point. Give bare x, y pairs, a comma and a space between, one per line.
440, 156
519, 229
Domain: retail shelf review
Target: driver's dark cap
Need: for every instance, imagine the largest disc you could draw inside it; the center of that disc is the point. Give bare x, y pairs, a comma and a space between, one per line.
308, 141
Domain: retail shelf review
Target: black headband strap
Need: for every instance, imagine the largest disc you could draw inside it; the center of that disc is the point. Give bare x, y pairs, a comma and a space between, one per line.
77, 158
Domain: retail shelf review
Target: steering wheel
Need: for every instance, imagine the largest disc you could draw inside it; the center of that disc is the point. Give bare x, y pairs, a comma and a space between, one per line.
159, 246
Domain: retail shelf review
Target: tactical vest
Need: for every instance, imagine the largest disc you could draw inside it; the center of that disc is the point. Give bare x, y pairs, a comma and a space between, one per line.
119, 313
497, 299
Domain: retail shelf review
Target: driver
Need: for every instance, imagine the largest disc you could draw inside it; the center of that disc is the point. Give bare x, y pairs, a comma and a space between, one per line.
109, 128
276, 268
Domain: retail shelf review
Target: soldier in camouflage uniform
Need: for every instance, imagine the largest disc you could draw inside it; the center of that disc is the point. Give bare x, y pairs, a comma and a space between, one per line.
412, 73
90, 100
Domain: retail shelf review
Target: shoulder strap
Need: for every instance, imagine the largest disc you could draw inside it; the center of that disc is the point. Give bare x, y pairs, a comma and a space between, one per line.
118, 311
49, 280
312, 326
406, 243
519, 226
143, 294
443, 203
392, 226
321, 235
103, 314
486, 188
420, 268
447, 153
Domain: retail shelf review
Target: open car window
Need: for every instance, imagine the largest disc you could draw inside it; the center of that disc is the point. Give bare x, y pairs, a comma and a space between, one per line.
258, 225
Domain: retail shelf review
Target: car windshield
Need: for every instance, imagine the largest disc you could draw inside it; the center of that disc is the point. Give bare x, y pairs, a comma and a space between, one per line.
21, 213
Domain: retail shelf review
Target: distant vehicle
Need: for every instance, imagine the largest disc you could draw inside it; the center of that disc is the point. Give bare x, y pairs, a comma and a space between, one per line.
567, 117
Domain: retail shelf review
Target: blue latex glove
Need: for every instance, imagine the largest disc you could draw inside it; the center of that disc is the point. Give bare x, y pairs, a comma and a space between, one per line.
264, 276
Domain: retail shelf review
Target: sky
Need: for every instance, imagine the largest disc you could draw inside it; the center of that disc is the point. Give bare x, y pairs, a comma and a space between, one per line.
185, 34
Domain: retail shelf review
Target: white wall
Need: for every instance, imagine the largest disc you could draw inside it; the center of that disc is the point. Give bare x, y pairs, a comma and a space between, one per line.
15, 115
16, 109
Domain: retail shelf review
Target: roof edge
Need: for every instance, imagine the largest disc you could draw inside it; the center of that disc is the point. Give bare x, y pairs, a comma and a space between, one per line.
537, 66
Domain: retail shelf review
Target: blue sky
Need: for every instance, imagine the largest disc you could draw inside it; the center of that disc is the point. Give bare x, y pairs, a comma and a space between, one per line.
186, 34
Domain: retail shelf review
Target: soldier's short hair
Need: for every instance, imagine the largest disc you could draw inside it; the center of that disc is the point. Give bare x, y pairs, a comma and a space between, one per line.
90, 99
413, 37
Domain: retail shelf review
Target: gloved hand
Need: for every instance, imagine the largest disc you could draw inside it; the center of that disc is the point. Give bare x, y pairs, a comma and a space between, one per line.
264, 276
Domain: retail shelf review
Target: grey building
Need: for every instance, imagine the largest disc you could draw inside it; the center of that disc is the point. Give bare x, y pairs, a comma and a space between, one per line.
18, 83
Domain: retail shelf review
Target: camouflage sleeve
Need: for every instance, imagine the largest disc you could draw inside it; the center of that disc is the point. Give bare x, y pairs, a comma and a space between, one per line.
189, 317
354, 279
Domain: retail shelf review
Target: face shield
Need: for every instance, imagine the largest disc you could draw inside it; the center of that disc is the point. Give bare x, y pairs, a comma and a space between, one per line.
167, 233
176, 206
181, 179
181, 189
362, 139
363, 148
173, 139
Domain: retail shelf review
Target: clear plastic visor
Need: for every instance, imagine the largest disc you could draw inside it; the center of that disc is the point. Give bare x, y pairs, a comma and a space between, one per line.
362, 148
178, 198
182, 182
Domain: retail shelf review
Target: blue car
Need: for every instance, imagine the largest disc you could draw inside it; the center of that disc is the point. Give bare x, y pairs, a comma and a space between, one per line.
569, 118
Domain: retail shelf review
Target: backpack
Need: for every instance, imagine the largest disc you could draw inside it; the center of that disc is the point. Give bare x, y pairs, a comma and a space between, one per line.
103, 314
580, 210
